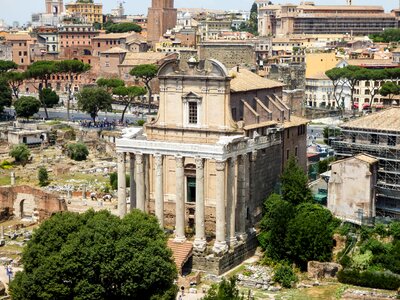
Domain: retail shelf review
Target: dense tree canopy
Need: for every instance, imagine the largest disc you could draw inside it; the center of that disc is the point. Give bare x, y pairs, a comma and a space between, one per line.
122, 27
48, 97
92, 100
277, 216
6, 65
292, 228
96, 256
26, 107
5, 95
387, 36
110, 83
351, 75
390, 89
309, 234
295, 184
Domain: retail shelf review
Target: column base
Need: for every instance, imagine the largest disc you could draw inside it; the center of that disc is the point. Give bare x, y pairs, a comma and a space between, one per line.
233, 241
220, 247
200, 245
242, 236
180, 239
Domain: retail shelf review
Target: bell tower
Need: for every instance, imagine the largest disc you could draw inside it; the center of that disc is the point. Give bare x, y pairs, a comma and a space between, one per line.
161, 17
55, 7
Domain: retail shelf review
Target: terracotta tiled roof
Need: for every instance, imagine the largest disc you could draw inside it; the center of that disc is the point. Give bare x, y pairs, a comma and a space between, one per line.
135, 59
115, 50
181, 252
245, 80
18, 37
388, 119
295, 121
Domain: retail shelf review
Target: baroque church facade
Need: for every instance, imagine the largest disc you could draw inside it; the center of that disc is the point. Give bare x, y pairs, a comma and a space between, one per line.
205, 164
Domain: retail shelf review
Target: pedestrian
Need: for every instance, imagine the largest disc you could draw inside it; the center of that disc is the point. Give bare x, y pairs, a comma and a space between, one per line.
93, 196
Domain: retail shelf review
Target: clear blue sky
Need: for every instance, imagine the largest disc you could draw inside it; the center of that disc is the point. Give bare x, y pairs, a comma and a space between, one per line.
20, 10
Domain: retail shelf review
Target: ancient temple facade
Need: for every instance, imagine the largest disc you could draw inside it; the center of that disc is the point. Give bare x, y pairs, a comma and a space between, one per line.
207, 161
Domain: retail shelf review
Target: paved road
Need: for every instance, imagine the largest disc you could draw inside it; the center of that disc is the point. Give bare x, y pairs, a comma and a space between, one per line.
61, 113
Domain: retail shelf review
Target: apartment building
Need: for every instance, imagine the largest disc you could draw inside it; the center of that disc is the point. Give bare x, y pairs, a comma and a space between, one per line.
308, 18
87, 11
21, 48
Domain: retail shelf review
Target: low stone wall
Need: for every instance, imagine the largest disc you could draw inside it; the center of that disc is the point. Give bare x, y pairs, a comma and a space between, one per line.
218, 265
43, 204
318, 270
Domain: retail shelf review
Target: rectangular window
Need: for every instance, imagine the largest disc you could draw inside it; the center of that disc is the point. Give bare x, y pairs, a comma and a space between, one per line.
192, 113
374, 139
391, 140
287, 154
295, 151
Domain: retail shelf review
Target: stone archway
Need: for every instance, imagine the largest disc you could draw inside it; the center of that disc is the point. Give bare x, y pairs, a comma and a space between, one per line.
24, 206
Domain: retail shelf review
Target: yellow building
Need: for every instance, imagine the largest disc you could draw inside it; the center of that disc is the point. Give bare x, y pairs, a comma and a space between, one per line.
88, 11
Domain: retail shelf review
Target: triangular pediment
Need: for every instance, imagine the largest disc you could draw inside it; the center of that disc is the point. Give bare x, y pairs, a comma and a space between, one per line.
192, 95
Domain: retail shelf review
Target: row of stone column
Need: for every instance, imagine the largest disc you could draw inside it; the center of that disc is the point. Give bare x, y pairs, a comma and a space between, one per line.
230, 215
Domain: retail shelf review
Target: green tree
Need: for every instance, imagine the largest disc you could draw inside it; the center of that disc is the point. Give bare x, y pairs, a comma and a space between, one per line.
295, 184
110, 83
352, 75
71, 69
48, 97
15, 80
42, 72
146, 73
96, 255
5, 95
43, 176
123, 27
273, 225
7, 65
127, 96
285, 275
26, 107
338, 82
387, 36
310, 234
225, 290
390, 89
78, 151
20, 153
92, 100
114, 181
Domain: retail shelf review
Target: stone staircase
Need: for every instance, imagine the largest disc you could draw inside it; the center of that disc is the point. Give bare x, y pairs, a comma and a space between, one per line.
181, 252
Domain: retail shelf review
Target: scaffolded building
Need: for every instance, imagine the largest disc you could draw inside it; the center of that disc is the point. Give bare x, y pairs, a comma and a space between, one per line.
377, 134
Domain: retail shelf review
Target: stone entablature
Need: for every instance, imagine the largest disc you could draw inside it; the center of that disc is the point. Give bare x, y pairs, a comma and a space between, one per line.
226, 148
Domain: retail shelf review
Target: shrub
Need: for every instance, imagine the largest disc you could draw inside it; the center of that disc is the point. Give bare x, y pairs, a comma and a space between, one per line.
379, 280
6, 165
381, 230
226, 289
285, 275
43, 176
394, 230
114, 180
140, 123
20, 153
78, 151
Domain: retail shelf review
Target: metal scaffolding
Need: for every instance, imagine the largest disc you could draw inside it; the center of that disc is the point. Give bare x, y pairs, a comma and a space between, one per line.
384, 146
